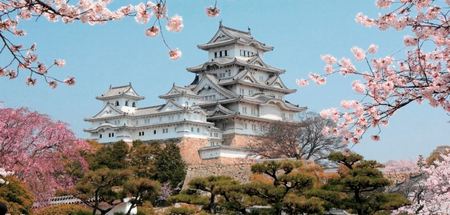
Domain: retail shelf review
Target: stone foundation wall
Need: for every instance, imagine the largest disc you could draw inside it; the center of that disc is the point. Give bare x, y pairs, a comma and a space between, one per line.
240, 140
189, 150
239, 169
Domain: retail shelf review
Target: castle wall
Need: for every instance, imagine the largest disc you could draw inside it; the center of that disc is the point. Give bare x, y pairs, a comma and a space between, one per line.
189, 149
240, 140
239, 169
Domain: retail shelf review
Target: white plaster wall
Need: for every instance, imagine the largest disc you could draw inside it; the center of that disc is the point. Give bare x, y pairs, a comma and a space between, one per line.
122, 208
269, 111
250, 109
228, 48
224, 153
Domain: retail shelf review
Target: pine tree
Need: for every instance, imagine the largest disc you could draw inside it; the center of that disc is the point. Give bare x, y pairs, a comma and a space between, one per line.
362, 186
170, 167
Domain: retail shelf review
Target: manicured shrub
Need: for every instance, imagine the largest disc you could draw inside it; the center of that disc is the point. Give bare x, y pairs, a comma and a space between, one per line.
64, 210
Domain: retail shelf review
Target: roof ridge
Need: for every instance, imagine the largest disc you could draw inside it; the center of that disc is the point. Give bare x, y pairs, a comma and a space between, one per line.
153, 106
237, 30
122, 86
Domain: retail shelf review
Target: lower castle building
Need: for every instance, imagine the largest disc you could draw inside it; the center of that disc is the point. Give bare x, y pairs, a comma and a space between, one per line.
233, 96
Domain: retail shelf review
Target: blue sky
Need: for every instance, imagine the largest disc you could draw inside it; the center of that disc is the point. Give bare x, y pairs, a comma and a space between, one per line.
300, 30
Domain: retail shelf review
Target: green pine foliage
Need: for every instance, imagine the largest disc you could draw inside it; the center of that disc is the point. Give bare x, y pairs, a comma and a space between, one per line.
170, 167
118, 170
16, 196
361, 186
64, 210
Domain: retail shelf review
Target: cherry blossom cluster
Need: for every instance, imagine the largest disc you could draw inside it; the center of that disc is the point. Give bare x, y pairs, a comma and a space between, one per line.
434, 195
388, 83
37, 148
23, 58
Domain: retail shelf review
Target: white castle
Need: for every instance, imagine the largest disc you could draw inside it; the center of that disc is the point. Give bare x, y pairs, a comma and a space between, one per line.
234, 95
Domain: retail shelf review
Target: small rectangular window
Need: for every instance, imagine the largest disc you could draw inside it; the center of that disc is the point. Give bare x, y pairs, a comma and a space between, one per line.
220, 54
226, 52
215, 54
100, 136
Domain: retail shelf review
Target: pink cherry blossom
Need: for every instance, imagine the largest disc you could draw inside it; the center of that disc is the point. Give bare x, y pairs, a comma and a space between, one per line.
160, 11
302, 82
34, 147
372, 49
331, 113
417, 72
328, 59
383, 3
175, 54
70, 81
175, 24
52, 84
152, 31
375, 137
358, 53
409, 41
349, 104
346, 66
42, 68
317, 78
142, 15
358, 87
92, 12
60, 62
328, 69
212, 11
431, 193
364, 20
31, 81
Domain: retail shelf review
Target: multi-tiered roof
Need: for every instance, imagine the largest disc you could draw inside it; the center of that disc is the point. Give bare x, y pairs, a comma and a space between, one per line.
241, 56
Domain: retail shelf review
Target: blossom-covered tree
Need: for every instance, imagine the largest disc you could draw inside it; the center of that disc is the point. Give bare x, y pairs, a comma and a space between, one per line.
431, 193
23, 58
390, 83
36, 149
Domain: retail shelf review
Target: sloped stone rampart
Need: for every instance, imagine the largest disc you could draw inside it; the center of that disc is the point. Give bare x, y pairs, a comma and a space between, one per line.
239, 169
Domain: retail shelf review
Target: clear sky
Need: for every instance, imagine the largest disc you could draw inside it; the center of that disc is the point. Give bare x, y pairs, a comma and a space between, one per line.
300, 31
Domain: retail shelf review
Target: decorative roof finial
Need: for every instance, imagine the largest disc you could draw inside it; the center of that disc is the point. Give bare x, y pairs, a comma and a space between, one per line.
249, 30
220, 23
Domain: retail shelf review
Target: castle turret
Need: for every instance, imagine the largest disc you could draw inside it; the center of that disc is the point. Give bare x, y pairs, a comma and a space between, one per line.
124, 98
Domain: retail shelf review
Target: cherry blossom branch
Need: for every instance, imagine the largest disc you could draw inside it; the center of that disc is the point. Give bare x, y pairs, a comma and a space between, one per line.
393, 84
91, 12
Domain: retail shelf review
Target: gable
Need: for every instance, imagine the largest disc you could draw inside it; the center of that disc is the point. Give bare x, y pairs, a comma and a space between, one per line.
257, 61
220, 36
173, 91
207, 87
219, 110
278, 83
131, 92
108, 111
170, 106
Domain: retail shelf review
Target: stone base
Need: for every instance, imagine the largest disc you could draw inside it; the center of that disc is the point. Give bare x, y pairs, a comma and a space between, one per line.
239, 140
189, 149
238, 169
